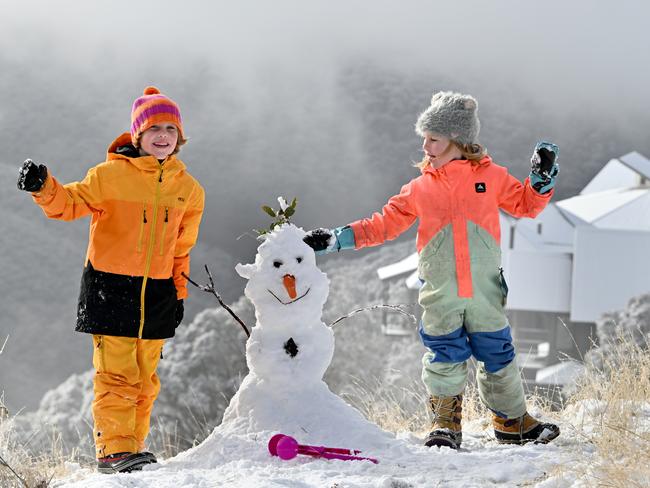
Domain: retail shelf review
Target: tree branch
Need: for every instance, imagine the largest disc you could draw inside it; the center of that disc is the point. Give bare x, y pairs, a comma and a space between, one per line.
394, 308
209, 288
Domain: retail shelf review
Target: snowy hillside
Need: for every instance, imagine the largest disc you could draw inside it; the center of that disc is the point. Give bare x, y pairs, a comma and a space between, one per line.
245, 462
284, 392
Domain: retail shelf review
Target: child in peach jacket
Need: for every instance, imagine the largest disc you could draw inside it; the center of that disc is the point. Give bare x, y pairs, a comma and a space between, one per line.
457, 200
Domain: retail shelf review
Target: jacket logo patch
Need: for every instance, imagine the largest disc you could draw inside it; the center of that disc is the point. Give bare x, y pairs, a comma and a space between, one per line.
480, 187
181, 199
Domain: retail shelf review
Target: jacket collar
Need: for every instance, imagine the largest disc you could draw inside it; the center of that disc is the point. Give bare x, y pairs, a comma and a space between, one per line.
144, 163
456, 163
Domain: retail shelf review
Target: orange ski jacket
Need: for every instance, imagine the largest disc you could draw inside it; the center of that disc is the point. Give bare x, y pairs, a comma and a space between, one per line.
145, 218
455, 194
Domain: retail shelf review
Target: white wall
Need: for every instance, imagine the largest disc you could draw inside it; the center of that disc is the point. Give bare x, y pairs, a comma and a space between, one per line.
610, 267
538, 281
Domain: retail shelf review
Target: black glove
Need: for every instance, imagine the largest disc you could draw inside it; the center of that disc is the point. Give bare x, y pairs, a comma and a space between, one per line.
546, 160
318, 239
180, 310
544, 167
32, 176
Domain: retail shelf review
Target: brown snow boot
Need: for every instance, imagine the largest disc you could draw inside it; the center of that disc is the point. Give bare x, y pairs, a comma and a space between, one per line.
523, 429
447, 416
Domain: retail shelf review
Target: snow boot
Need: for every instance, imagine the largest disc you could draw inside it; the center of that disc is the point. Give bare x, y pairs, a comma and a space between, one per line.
447, 416
150, 455
523, 429
124, 462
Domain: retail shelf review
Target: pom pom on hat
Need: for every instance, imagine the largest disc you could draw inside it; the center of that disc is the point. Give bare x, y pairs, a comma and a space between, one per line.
153, 108
452, 115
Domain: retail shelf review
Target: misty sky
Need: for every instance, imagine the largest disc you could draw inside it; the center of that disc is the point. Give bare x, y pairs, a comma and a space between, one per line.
567, 52
273, 104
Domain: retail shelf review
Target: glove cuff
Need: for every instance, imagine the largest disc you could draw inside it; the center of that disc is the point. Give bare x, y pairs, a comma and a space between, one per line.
540, 184
344, 237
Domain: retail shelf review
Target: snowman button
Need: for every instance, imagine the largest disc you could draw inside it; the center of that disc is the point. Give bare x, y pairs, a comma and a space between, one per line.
291, 348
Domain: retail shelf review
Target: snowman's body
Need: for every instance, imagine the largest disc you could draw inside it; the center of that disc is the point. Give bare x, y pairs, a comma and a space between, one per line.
289, 350
289, 340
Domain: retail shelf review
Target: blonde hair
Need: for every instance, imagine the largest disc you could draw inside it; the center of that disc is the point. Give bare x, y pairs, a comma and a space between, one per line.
474, 153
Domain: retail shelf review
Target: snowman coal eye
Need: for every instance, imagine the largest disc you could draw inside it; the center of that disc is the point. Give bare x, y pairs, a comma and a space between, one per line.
299, 260
277, 264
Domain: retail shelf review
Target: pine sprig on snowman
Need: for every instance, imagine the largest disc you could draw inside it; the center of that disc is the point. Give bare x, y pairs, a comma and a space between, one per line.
281, 216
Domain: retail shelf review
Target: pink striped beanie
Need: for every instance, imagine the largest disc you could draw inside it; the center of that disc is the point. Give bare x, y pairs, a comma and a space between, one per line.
153, 108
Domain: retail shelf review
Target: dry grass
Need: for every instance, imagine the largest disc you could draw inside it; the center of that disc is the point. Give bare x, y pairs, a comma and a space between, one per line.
611, 405
21, 468
605, 420
405, 409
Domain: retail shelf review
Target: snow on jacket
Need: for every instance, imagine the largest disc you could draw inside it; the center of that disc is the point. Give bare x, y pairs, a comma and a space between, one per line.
145, 218
459, 195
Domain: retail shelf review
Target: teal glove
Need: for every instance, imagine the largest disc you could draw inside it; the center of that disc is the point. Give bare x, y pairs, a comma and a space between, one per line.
324, 241
544, 167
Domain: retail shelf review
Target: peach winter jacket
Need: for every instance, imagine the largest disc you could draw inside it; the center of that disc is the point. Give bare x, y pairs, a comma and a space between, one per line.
455, 194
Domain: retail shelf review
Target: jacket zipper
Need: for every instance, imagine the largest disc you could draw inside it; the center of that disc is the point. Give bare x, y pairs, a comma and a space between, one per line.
147, 265
164, 229
142, 223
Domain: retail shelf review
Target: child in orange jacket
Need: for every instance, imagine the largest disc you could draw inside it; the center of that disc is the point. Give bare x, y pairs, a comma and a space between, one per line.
145, 211
457, 200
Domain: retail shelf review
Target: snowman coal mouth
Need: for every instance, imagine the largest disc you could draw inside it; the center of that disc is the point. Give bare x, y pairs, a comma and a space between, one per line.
289, 302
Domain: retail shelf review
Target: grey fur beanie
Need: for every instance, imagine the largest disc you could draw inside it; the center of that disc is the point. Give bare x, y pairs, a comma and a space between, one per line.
452, 115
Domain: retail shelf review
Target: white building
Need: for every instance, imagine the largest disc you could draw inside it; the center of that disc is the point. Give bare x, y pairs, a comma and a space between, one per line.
581, 257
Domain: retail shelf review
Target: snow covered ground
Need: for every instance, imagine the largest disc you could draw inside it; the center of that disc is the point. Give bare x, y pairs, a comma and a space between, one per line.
284, 392
228, 459
244, 461
287, 354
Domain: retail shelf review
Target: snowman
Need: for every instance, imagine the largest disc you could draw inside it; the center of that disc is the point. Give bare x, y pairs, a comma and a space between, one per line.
289, 342
288, 352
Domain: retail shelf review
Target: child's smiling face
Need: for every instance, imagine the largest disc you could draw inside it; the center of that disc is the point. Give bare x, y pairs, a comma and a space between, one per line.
159, 140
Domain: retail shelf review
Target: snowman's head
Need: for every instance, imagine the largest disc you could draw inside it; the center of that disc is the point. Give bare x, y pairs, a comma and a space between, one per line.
284, 278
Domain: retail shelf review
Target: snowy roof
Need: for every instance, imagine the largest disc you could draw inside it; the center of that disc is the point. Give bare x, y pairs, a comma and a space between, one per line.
638, 162
413, 282
612, 209
628, 171
404, 266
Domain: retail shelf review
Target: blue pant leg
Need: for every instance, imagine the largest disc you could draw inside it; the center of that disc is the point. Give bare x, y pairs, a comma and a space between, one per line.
444, 365
498, 378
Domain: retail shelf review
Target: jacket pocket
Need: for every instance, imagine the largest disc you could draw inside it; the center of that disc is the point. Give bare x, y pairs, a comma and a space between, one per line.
164, 230
485, 238
143, 222
504, 287
433, 246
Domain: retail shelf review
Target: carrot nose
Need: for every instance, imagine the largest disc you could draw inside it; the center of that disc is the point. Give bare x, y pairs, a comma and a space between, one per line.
290, 284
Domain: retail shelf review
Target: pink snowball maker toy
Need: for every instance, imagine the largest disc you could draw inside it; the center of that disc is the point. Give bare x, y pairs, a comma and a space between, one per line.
286, 447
